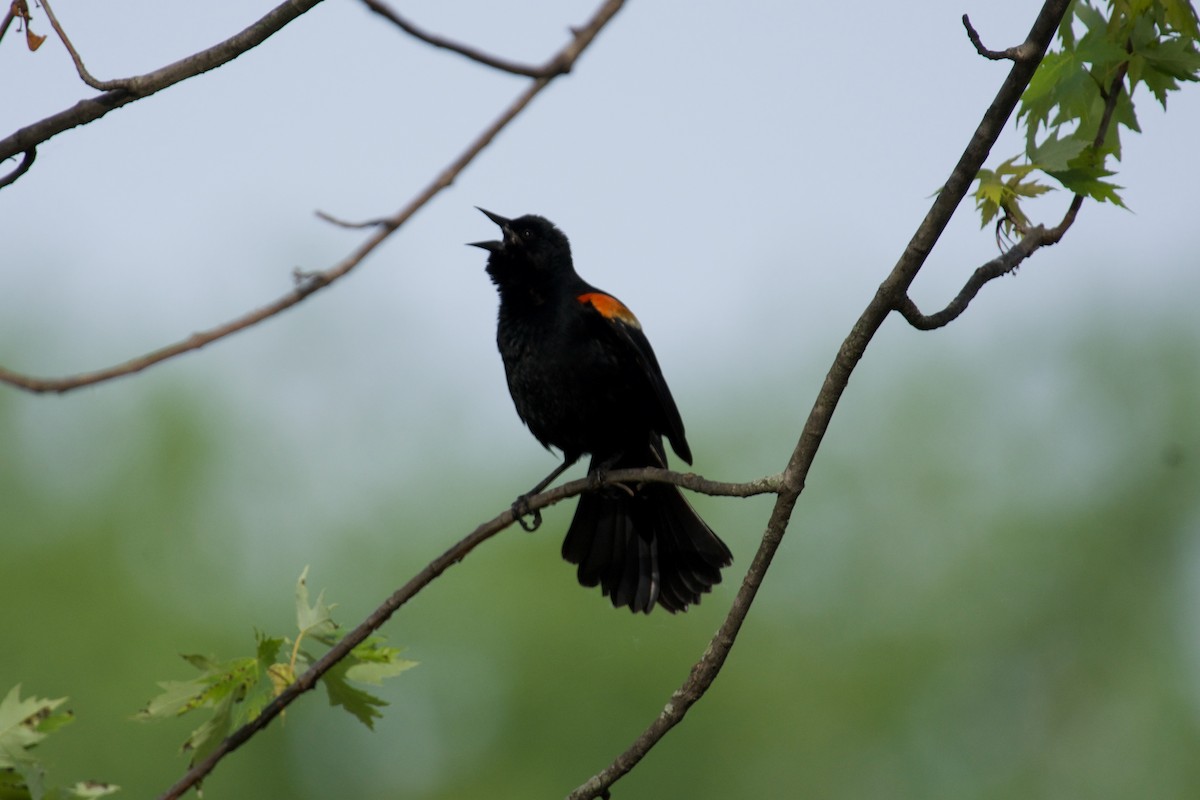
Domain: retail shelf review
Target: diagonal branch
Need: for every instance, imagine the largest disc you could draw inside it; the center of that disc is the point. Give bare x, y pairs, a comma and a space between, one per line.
137, 87
504, 65
452, 556
309, 283
84, 75
705, 670
1034, 239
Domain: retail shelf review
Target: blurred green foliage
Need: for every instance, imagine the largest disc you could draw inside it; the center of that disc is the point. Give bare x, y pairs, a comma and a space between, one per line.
989, 590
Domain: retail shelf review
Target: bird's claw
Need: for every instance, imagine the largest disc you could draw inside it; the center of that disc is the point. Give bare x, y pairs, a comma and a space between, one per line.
520, 509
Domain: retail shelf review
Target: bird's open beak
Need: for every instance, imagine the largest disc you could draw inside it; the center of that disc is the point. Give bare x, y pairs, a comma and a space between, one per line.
504, 223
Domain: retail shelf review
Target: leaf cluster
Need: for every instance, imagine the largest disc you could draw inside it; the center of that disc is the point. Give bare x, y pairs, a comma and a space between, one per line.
24, 724
1082, 95
236, 691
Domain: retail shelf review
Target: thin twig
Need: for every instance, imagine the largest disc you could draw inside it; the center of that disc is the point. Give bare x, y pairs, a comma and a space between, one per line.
27, 159
84, 75
450, 557
134, 88
794, 475
1034, 239
1001, 265
1018, 53
495, 62
342, 223
8, 19
314, 281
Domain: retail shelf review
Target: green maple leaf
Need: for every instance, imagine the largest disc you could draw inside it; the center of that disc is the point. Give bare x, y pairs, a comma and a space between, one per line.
1090, 182
315, 620
1002, 190
237, 691
220, 687
1055, 153
25, 723
370, 662
363, 705
373, 662
84, 790
1180, 16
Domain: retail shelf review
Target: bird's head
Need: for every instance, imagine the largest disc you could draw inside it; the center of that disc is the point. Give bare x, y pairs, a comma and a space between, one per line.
532, 250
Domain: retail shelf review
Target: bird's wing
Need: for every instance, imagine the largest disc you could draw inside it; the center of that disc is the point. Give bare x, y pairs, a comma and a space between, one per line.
627, 333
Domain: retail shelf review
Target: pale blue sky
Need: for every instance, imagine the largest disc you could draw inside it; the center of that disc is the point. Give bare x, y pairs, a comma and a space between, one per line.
742, 176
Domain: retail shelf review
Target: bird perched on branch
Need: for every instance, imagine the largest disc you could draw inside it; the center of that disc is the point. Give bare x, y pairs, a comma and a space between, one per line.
585, 380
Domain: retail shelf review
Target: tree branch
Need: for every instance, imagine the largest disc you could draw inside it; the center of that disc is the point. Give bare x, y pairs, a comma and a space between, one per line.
1019, 53
8, 19
452, 556
27, 159
886, 298
504, 65
312, 282
1034, 239
140, 86
84, 75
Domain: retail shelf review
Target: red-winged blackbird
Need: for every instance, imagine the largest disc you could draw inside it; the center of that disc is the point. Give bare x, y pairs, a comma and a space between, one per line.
584, 379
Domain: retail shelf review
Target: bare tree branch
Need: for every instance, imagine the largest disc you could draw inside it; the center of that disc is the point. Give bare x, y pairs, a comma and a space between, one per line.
27, 159
84, 75
1001, 265
312, 282
452, 556
1019, 53
8, 19
504, 65
135, 88
887, 297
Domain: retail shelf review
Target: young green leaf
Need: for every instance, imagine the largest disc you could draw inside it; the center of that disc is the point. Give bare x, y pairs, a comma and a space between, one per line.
374, 662
363, 705
237, 691
316, 620
1090, 183
23, 725
84, 790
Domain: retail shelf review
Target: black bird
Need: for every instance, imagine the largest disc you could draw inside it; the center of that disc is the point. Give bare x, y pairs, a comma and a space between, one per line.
584, 379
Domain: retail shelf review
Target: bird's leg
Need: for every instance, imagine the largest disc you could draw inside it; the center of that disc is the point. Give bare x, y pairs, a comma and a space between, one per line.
520, 506
598, 472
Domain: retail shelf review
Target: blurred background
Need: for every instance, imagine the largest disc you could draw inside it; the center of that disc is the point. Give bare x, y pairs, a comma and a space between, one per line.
990, 587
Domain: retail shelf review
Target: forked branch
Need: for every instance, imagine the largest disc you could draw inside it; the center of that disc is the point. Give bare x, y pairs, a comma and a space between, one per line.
311, 282
888, 296
1033, 239
452, 556
131, 89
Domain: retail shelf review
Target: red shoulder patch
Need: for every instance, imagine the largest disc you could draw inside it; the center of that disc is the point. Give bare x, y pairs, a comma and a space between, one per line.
609, 307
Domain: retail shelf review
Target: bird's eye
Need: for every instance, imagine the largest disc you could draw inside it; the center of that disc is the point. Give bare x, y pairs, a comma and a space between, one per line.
526, 234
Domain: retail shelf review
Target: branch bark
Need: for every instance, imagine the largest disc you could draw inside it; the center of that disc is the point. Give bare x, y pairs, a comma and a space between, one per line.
84, 75
140, 86
1033, 239
452, 556
887, 298
309, 283
502, 64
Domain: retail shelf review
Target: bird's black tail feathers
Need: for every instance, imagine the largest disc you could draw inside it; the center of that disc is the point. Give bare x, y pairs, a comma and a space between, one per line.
644, 545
